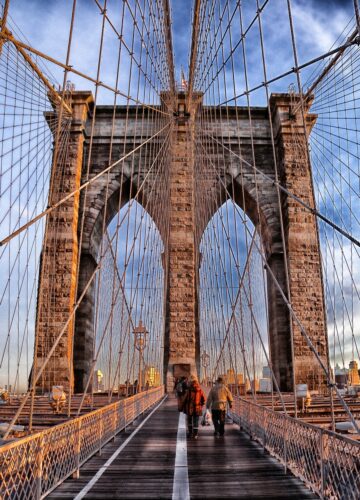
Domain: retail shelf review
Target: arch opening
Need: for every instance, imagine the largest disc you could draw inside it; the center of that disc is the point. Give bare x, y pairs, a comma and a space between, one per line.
233, 302
128, 293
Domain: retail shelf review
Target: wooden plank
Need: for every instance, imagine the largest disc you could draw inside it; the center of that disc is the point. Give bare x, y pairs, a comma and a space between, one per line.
236, 467
229, 467
144, 469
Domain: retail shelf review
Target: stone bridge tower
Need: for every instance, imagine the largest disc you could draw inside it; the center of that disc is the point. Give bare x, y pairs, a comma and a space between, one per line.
63, 278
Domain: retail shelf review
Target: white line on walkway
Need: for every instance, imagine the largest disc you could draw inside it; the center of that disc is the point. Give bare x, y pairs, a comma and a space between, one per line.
107, 464
181, 478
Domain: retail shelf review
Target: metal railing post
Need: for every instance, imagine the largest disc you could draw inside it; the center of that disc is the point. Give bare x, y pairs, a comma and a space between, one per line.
248, 419
250, 422
323, 439
121, 419
241, 412
285, 444
264, 424
143, 404
39, 466
101, 428
76, 474
114, 422
321, 444
125, 414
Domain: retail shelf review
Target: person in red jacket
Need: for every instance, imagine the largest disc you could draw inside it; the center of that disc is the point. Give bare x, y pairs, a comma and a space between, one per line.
194, 400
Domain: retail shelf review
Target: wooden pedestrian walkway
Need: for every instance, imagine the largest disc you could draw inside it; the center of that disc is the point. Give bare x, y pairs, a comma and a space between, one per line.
229, 467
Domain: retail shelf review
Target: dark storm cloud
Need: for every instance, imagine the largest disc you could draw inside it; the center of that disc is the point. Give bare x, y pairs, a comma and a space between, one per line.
325, 4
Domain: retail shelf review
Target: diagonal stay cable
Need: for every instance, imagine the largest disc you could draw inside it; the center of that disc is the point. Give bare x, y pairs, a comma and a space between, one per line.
294, 70
312, 210
81, 188
71, 69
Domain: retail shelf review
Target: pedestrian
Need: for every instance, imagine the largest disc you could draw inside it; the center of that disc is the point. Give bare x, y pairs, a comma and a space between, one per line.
180, 389
193, 402
217, 400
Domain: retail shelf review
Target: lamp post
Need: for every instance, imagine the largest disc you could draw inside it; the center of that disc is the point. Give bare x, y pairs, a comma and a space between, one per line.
140, 334
205, 361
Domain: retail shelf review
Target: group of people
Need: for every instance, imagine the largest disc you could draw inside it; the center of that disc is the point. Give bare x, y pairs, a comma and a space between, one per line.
191, 399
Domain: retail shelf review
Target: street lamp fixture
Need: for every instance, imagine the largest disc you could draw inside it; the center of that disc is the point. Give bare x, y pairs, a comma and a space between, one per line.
205, 361
140, 337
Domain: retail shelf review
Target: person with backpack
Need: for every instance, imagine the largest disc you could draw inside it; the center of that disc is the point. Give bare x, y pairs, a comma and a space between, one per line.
217, 400
193, 402
180, 389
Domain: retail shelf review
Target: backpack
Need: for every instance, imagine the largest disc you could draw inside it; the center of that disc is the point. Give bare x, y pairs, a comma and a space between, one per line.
179, 388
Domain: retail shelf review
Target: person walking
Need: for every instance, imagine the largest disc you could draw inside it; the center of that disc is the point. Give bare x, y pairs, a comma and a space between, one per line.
217, 400
194, 400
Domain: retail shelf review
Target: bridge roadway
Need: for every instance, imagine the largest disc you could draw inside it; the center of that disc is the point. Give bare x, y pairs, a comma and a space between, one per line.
154, 463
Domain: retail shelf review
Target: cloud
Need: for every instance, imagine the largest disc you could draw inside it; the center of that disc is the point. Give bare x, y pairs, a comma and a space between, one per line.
319, 24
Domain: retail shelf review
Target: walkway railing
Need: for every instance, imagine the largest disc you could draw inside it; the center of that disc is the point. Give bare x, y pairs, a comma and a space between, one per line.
32, 467
328, 463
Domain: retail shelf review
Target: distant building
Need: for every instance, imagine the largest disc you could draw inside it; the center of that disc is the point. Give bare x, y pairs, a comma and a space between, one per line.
341, 376
266, 372
340, 371
151, 376
265, 385
255, 386
230, 376
240, 378
354, 378
99, 381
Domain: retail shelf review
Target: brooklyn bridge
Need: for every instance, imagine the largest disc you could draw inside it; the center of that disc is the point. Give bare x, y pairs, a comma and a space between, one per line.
179, 198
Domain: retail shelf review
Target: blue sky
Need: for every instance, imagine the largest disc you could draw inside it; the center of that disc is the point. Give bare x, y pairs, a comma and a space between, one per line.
317, 24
